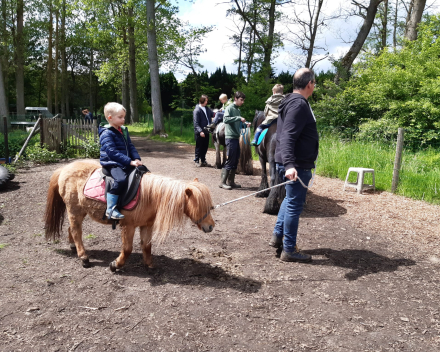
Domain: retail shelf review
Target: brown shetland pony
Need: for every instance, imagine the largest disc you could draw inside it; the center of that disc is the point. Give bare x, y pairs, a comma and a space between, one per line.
162, 206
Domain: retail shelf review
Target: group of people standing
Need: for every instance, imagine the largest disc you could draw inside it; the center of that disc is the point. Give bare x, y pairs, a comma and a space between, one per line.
295, 156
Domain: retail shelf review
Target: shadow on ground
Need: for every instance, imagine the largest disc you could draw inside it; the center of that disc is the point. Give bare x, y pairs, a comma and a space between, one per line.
322, 207
184, 271
361, 262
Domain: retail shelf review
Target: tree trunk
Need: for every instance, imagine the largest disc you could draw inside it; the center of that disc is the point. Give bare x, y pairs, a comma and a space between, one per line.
64, 80
126, 92
384, 25
268, 48
49, 60
3, 105
313, 31
19, 60
414, 20
348, 59
395, 24
92, 100
57, 58
126, 81
132, 68
4, 54
156, 100
240, 49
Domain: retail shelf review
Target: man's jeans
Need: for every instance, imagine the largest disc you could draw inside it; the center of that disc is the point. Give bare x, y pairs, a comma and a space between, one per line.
291, 208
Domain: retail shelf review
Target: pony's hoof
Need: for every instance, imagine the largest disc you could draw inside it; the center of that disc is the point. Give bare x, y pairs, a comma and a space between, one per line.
113, 266
262, 195
86, 263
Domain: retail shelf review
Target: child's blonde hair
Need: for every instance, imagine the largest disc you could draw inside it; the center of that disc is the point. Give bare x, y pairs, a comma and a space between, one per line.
223, 96
278, 89
112, 108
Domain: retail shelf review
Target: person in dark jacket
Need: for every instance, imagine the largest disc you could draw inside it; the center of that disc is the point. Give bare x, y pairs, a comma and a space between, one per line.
295, 156
118, 155
201, 117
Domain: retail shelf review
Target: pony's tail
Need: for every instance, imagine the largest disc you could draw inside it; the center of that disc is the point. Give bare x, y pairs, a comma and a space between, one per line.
55, 209
245, 164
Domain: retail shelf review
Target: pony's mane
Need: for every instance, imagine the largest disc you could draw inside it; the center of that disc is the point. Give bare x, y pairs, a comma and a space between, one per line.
167, 195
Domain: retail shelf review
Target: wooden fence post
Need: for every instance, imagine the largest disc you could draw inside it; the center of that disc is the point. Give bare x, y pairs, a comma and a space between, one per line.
5, 131
169, 123
397, 160
181, 125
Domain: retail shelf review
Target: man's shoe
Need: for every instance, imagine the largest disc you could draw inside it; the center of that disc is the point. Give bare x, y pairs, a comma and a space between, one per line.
196, 163
231, 180
276, 241
224, 177
295, 256
205, 164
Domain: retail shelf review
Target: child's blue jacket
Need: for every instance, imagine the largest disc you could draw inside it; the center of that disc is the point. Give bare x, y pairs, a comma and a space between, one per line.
116, 147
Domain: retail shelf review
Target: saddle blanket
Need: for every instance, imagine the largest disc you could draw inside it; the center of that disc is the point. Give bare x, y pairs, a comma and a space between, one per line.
95, 189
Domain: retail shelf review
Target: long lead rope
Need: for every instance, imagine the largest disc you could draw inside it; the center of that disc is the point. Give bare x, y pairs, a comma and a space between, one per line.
267, 189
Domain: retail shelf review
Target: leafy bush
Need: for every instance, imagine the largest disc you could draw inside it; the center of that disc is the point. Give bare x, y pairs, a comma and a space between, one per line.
399, 87
90, 148
42, 155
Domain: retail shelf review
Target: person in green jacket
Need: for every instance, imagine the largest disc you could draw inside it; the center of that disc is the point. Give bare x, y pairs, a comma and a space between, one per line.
233, 124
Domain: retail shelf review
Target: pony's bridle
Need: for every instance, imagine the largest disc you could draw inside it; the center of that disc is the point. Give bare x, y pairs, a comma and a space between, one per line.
204, 216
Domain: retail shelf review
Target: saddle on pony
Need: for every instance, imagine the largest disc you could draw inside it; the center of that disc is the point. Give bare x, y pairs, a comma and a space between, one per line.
101, 181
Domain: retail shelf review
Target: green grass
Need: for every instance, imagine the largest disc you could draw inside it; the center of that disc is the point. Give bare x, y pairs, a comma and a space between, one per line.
90, 237
3, 245
419, 176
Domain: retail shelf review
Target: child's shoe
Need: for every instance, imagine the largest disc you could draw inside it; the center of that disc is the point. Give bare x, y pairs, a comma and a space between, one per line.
112, 212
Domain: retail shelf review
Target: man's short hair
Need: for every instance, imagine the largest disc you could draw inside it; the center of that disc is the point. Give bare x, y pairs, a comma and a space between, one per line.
302, 77
111, 109
203, 98
239, 95
278, 89
222, 96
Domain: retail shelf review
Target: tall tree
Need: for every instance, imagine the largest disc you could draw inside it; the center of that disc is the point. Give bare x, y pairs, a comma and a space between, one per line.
415, 16
156, 102
57, 58
3, 101
265, 35
369, 14
4, 52
307, 25
64, 82
19, 59
49, 59
134, 116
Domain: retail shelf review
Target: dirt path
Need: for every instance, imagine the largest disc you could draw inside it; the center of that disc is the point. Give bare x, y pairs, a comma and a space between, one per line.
373, 284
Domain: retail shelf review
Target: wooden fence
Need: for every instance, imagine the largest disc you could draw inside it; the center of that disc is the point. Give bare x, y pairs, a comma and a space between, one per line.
56, 131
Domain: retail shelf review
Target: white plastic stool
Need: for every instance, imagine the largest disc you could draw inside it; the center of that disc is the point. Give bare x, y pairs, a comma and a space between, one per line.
359, 185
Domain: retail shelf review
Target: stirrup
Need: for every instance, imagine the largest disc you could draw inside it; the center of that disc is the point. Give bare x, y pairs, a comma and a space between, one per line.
114, 214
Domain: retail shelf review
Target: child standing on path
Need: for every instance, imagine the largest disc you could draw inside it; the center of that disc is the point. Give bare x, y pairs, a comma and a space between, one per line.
270, 111
118, 155
233, 123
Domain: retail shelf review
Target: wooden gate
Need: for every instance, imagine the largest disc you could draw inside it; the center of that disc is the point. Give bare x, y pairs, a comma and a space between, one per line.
51, 133
56, 131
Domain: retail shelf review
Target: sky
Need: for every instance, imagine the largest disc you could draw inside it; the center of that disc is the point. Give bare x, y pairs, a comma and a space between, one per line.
336, 37
219, 50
